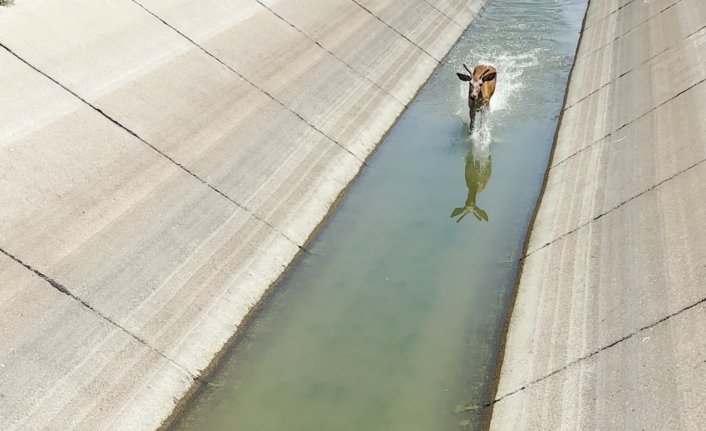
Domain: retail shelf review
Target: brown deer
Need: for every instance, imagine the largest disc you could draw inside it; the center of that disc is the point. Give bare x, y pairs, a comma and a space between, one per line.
480, 89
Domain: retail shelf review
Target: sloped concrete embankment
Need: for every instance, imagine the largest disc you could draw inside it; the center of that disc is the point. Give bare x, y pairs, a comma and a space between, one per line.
607, 331
161, 163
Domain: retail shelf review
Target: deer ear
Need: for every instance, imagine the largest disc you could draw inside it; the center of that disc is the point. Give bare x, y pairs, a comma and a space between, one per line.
489, 76
463, 77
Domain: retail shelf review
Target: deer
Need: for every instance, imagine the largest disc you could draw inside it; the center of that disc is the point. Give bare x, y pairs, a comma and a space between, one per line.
480, 89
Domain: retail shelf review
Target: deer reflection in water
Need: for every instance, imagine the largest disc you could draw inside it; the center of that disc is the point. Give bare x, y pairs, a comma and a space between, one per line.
478, 171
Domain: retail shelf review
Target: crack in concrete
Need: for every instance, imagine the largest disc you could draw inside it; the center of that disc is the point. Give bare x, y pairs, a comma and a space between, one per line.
652, 188
316, 42
628, 123
594, 353
158, 151
634, 68
395, 30
627, 32
63, 289
241, 76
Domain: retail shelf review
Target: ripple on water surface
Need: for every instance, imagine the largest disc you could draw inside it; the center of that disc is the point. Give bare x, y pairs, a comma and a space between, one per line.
392, 322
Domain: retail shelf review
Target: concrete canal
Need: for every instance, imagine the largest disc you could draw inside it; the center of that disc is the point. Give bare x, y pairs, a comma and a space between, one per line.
392, 321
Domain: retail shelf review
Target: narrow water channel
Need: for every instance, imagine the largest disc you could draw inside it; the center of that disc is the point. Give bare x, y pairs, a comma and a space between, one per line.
392, 322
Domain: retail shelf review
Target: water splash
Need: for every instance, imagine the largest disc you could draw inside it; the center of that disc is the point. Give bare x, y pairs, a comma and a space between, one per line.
511, 69
392, 324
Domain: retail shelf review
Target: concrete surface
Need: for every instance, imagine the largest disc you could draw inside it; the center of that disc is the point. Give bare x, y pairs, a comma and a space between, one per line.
161, 163
607, 330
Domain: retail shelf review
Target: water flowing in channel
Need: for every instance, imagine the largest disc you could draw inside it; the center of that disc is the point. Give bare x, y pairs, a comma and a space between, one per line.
393, 321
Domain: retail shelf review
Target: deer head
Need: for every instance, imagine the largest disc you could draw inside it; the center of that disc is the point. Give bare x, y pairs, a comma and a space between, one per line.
481, 83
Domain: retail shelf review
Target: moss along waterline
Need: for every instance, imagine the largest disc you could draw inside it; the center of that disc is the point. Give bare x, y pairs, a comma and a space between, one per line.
392, 321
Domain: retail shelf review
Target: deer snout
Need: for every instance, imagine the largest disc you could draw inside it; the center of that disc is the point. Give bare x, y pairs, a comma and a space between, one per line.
475, 91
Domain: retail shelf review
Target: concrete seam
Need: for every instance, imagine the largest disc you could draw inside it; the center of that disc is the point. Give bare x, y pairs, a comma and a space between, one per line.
458, 24
395, 30
614, 208
241, 76
609, 83
173, 161
512, 299
63, 289
595, 352
629, 31
316, 42
628, 123
607, 16
634, 68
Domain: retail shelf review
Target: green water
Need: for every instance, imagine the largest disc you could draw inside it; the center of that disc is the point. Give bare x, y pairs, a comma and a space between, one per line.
392, 322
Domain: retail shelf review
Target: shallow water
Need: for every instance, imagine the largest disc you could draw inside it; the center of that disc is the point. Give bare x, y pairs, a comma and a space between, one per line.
392, 322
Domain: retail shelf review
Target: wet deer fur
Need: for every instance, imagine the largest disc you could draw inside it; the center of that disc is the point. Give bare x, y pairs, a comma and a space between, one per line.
481, 86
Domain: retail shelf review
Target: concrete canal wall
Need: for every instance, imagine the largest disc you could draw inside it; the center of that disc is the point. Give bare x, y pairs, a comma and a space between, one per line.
607, 330
161, 163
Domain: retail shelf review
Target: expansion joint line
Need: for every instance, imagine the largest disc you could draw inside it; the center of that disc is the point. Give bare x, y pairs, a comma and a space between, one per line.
686, 90
458, 24
595, 352
609, 15
629, 31
155, 149
634, 68
564, 235
396, 31
316, 42
241, 76
63, 289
